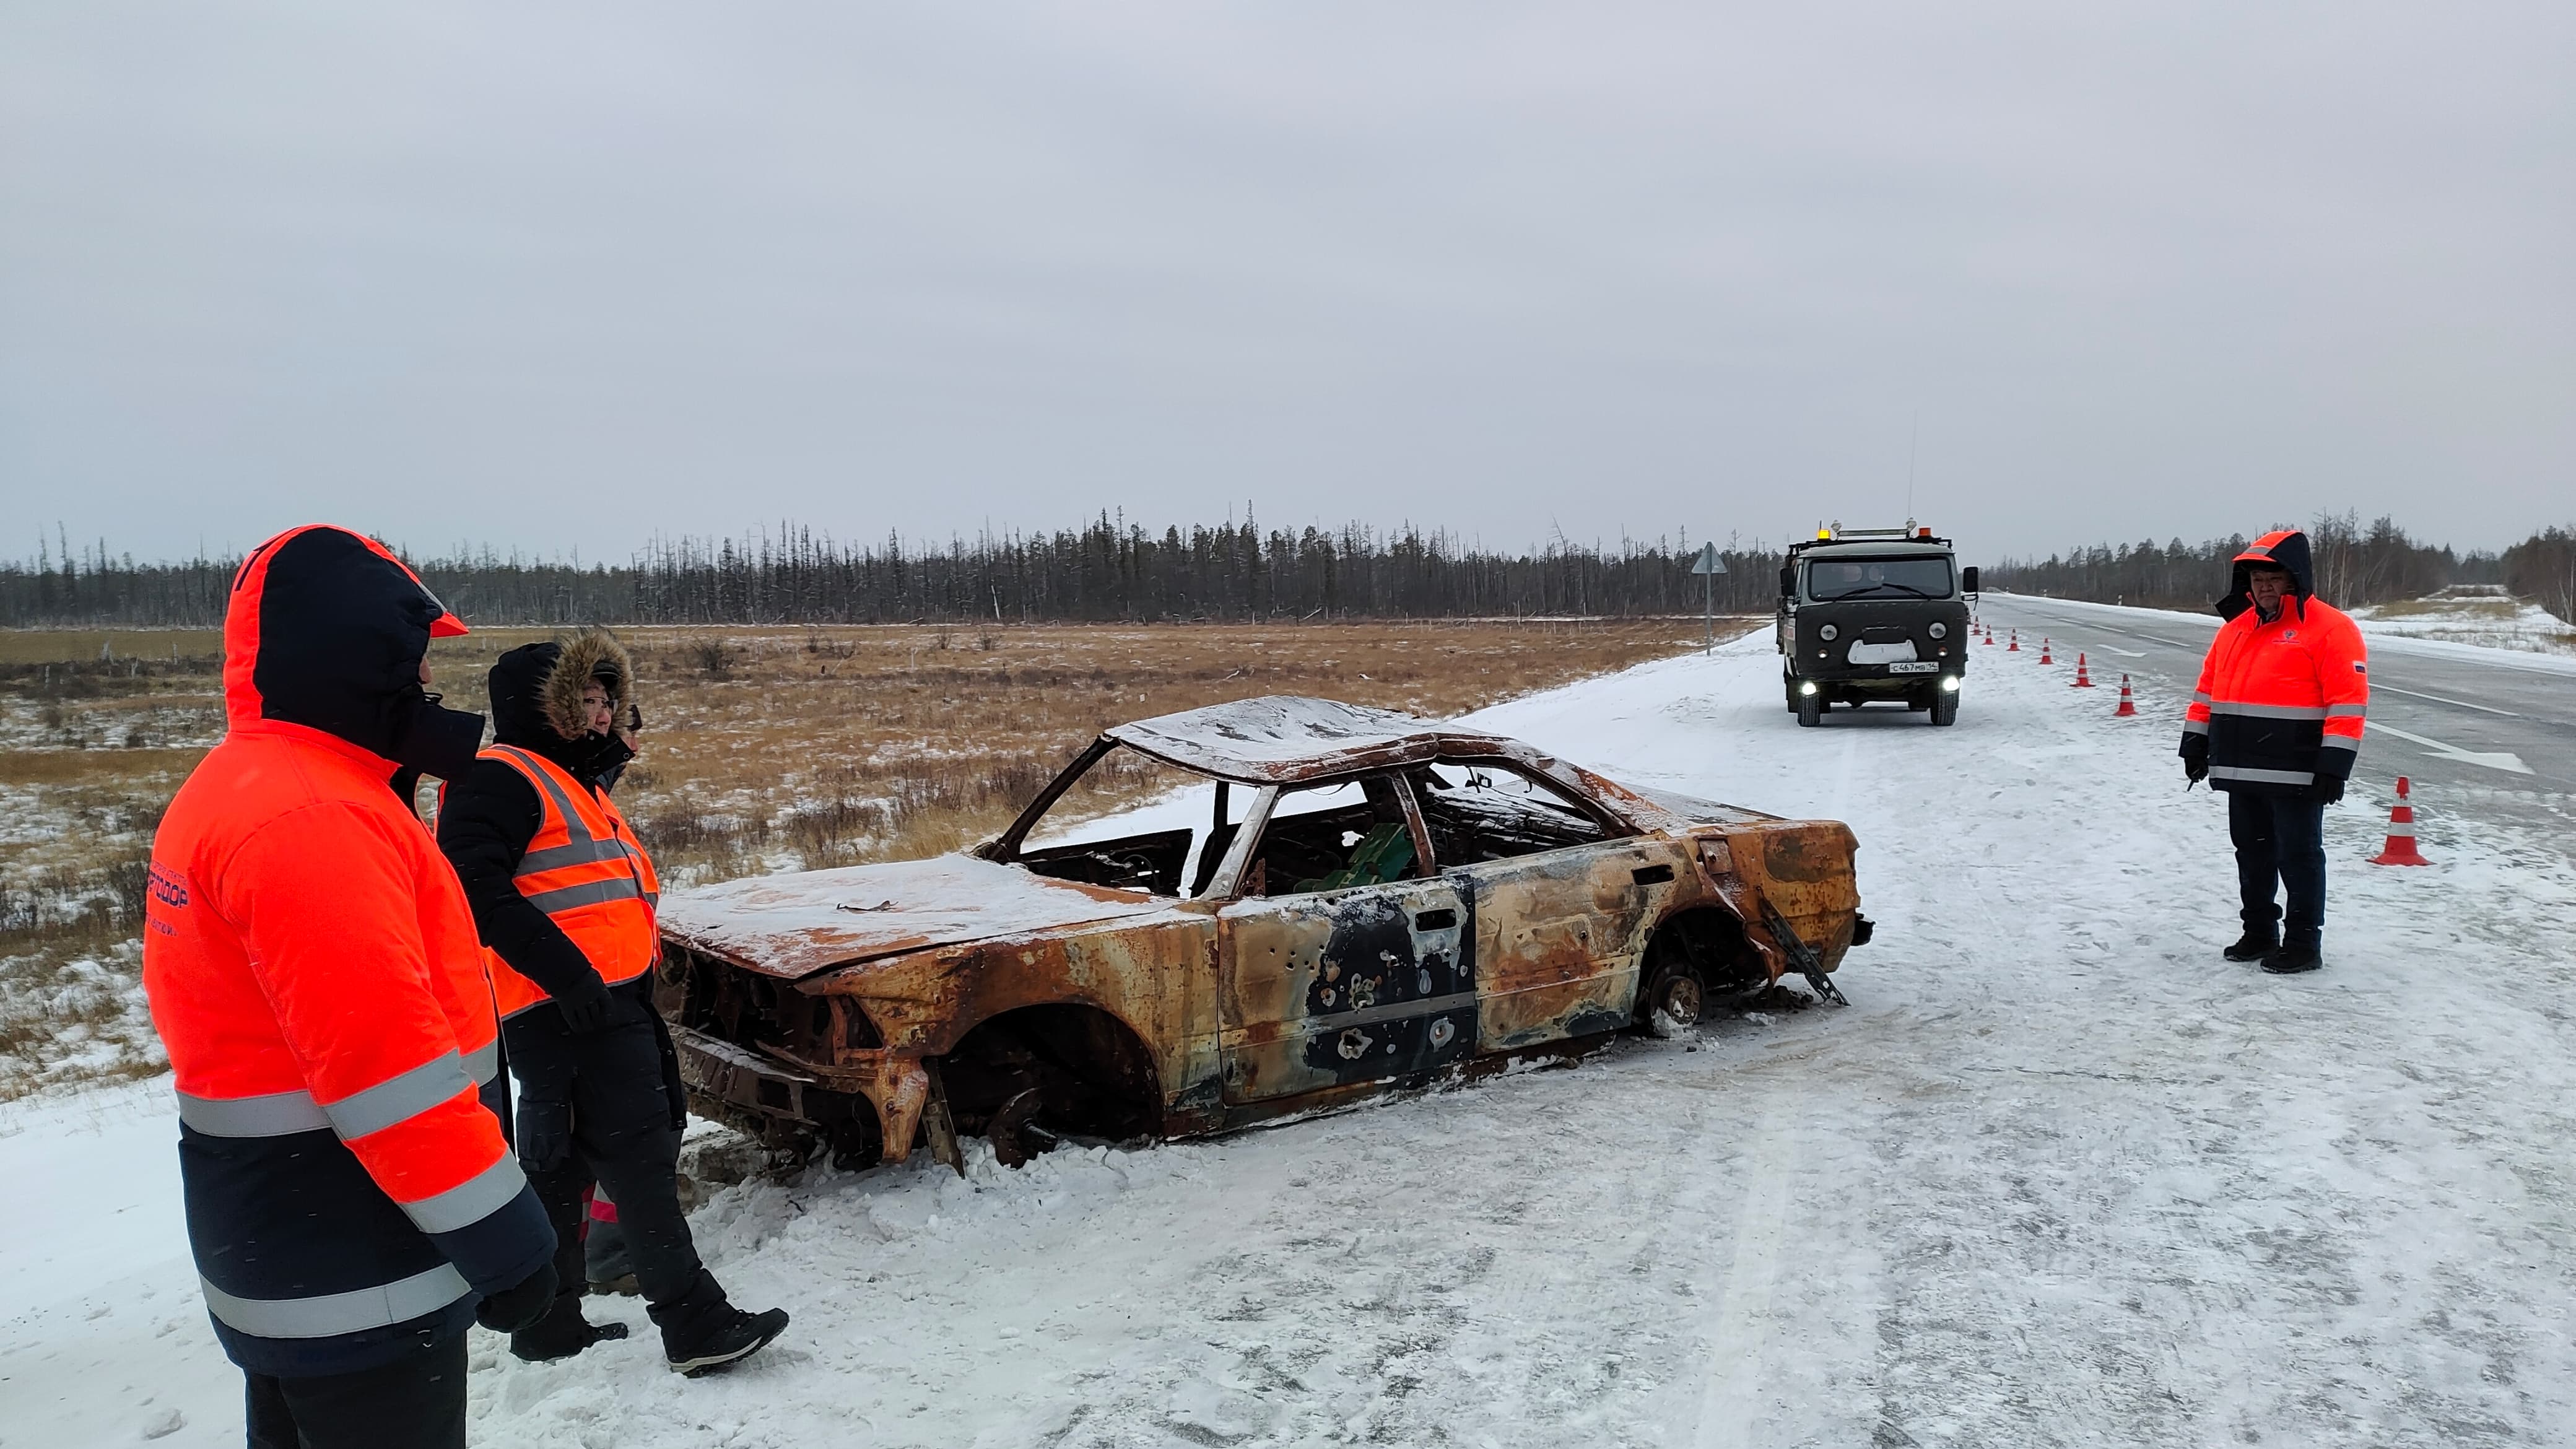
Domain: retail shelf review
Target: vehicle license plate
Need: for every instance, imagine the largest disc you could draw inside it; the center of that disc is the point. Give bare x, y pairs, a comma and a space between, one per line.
1914, 666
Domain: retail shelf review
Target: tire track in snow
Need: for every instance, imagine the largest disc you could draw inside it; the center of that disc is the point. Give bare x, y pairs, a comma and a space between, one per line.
1736, 1337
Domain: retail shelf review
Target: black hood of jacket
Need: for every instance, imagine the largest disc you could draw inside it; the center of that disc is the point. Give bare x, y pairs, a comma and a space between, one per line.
327, 629
536, 700
2284, 549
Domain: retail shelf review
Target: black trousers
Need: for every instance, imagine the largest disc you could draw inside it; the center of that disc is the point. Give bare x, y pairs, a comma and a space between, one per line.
416, 1402
2280, 849
605, 1108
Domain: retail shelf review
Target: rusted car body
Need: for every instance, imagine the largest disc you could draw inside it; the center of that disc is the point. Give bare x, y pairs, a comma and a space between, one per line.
1334, 901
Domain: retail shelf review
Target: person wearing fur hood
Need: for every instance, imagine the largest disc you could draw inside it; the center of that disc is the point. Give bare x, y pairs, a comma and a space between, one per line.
563, 897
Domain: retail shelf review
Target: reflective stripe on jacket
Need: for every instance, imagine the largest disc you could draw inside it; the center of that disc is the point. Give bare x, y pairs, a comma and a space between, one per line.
314, 974
586, 871
2282, 703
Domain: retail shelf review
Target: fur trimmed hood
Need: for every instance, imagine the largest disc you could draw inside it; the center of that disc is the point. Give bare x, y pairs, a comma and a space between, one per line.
536, 689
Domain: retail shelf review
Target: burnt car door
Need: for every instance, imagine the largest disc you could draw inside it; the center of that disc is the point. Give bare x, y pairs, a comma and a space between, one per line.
1562, 897
1341, 963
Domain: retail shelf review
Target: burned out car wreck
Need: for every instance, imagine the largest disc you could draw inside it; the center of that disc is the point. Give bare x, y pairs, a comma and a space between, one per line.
1318, 902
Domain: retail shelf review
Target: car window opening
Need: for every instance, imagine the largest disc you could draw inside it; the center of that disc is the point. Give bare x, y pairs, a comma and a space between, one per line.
1478, 811
1332, 837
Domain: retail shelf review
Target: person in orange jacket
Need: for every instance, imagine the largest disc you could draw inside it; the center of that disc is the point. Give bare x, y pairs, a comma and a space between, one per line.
313, 970
2276, 724
564, 895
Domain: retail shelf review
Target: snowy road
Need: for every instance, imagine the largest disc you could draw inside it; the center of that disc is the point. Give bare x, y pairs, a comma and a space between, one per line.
2058, 1176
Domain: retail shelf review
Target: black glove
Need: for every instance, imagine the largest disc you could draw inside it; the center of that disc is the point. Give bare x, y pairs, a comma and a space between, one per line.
520, 1306
586, 1007
2195, 759
544, 1127
2326, 790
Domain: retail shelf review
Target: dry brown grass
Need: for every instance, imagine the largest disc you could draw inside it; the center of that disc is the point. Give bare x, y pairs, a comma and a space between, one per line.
764, 749
84, 646
782, 748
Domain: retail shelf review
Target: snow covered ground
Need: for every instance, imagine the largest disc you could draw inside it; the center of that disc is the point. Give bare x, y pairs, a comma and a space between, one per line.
2058, 1176
2479, 615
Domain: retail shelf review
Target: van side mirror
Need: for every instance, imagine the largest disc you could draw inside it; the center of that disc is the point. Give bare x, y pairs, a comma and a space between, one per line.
1968, 580
1788, 581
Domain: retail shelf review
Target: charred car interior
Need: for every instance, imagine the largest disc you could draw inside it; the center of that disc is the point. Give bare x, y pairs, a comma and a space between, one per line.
1316, 902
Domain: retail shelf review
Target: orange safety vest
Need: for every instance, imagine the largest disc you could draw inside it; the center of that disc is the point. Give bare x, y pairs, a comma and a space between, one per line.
584, 869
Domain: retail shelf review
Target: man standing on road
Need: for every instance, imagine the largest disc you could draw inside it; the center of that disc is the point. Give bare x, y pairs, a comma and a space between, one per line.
2277, 725
564, 896
313, 970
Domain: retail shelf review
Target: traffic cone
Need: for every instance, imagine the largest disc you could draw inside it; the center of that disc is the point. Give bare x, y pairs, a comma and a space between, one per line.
2083, 676
2400, 849
2128, 707
2043, 650
2015, 646
1990, 635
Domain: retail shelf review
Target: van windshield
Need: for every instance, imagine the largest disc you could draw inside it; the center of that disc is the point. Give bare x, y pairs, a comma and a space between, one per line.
1886, 578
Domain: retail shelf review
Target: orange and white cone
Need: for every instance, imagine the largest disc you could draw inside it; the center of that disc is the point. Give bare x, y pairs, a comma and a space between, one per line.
2400, 849
2043, 650
2128, 707
2083, 676
2015, 646
1990, 635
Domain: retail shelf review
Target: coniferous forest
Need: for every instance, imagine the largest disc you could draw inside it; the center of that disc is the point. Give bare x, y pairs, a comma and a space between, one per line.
1111, 571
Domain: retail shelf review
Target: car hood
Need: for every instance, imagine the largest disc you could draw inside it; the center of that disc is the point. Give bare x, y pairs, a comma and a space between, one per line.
791, 926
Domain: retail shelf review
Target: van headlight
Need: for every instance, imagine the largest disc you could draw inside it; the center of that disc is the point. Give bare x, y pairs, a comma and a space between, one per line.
1939, 630
1829, 633
1950, 683
1807, 686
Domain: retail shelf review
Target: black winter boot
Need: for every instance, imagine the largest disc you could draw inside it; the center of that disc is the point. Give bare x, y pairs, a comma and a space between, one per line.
722, 1340
2254, 945
562, 1333
702, 1332
2290, 960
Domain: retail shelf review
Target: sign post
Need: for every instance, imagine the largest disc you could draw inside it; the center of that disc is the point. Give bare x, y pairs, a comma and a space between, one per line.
1708, 566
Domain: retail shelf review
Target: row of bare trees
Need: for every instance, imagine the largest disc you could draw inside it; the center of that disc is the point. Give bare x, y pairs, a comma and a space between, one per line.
1112, 570
2356, 564
2543, 568
1107, 570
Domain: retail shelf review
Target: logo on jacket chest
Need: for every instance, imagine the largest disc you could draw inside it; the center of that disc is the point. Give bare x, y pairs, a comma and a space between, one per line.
169, 889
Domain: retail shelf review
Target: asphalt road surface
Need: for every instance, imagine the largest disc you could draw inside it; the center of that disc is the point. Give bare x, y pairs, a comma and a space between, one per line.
2481, 739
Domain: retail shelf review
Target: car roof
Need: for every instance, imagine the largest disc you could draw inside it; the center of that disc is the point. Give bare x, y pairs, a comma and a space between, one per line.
1291, 739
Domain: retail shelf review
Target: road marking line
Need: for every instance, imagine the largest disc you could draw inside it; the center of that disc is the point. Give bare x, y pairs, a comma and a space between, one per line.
2443, 699
2123, 653
2493, 760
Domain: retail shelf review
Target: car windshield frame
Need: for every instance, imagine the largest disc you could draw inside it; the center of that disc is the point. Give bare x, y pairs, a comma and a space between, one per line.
1256, 802
1235, 802
1888, 585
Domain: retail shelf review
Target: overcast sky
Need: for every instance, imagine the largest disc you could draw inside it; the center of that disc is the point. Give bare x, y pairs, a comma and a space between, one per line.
565, 276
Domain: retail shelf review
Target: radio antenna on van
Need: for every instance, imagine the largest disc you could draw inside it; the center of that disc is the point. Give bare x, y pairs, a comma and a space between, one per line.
1913, 435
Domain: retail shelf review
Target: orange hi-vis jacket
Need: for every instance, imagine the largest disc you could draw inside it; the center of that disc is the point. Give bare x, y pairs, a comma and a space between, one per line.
586, 871
314, 973
2283, 702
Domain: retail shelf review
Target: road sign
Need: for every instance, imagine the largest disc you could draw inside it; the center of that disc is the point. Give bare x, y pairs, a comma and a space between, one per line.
1708, 565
